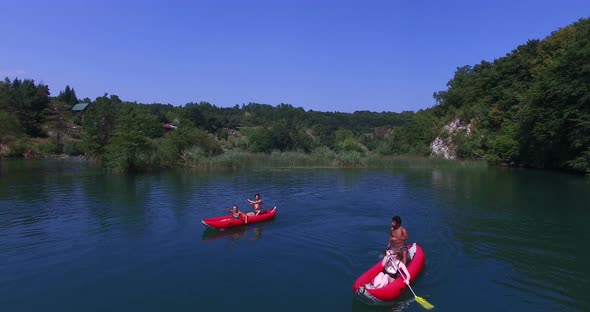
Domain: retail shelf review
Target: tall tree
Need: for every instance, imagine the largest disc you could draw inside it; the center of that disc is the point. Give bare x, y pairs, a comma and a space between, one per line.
99, 123
29, 100
68, 96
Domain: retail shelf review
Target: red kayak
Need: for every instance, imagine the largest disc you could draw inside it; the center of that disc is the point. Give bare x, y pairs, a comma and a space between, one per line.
227, 222
363, 286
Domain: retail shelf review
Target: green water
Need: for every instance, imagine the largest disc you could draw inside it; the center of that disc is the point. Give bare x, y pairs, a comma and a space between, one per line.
73, 238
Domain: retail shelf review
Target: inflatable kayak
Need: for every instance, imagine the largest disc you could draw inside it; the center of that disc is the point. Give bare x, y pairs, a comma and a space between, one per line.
363, 286
227, 222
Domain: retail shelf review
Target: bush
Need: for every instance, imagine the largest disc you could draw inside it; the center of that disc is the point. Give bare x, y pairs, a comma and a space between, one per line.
351, 145
323, 154
50, 147
350, 159
19, 147
72, 148
77, 120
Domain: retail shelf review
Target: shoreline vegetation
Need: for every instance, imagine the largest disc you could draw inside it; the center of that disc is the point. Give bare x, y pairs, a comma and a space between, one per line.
529, 108
277, 159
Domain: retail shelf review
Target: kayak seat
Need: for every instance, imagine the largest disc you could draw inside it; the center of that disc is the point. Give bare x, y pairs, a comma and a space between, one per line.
411, 252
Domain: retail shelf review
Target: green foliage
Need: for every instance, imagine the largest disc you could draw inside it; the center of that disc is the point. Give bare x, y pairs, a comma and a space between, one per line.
532, 106
68, 96
185, 138
133, 117
72, 148
26, 101
323, 153
161, 111
99, 124
556, 118
414, 137
77, 120
10, 129
350, 159
504, 147
350, 144
581, 163
469, 145
279, 136
50, 147
260, 140
19, 147
126, 151
131, 147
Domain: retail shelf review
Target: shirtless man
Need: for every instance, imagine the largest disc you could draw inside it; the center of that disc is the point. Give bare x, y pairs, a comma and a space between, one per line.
398, 236
256, 204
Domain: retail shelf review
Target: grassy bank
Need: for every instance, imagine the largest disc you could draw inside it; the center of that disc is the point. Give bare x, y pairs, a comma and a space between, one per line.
195, 158
319, 159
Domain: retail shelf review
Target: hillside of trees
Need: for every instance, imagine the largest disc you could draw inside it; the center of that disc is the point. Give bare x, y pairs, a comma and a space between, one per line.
528, 108
131, 136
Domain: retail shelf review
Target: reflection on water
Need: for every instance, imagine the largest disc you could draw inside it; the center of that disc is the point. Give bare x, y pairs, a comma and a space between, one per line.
494, 239
524, 230
397, 306
253, 232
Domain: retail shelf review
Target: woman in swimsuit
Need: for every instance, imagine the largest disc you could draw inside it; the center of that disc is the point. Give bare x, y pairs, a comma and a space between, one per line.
236, 214
391, 265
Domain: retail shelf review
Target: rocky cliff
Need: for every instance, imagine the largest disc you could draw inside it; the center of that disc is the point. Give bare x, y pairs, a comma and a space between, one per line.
443, 145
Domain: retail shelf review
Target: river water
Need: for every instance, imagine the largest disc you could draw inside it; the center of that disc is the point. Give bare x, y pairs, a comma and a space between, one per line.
73, 238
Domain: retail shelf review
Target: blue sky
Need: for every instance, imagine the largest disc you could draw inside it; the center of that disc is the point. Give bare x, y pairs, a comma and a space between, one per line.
320, 55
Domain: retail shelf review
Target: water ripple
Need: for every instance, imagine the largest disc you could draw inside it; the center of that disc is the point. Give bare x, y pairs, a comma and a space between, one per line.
92, 236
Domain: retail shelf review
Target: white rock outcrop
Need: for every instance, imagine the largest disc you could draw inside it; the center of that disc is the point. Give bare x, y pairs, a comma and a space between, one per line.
439, 148
446, 148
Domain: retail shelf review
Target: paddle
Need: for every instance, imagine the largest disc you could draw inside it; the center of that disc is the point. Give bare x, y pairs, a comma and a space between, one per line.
420, 300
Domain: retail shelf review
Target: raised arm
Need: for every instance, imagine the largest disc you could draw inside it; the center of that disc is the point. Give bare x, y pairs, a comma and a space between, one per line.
384, 261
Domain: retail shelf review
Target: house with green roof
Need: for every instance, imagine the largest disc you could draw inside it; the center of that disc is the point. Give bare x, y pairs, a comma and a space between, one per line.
80, 107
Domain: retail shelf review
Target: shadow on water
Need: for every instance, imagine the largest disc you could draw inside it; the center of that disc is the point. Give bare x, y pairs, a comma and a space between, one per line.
397, 306
253, 232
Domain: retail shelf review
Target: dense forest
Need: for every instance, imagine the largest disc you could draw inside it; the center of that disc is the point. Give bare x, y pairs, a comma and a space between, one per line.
528, 108
135, 136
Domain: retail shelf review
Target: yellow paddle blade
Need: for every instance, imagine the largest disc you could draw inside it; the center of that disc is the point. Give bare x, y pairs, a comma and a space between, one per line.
424, 303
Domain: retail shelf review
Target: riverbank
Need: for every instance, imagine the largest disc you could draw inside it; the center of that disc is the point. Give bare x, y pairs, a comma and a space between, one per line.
323, 158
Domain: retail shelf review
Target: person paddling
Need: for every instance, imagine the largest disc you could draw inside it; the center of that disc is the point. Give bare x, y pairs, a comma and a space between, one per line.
398, 237
256, 204
391, 264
